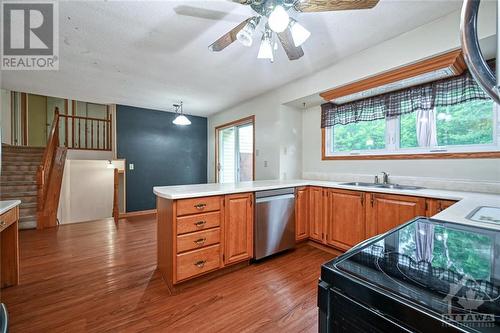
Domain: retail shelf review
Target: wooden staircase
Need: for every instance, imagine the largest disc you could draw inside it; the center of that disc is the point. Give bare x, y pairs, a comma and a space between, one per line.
18, 180
34, 176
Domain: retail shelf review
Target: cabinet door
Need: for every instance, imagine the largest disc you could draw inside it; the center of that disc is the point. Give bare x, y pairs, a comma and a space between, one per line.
435, 206
316, 230
238, 225
345, 223
387, 211
301, 213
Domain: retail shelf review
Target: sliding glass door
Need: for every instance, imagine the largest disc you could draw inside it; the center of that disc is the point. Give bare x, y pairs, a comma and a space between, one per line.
235, 152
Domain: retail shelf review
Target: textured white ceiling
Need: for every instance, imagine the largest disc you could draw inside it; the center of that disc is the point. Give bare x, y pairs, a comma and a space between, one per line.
153, 54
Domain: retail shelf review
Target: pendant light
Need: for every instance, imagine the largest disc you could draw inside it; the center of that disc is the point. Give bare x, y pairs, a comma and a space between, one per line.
181, 119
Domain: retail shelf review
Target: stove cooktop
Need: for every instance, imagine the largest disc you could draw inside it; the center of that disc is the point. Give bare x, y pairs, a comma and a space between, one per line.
448, 269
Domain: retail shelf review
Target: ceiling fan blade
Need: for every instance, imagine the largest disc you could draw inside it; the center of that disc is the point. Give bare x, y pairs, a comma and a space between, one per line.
291, 50
308, 6
243, 2
224, 41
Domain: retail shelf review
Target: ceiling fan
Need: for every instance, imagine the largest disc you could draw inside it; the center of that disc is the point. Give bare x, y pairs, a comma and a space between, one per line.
277, 24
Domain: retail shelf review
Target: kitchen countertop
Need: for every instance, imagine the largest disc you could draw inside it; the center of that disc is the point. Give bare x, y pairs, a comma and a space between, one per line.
467, 201
7, 205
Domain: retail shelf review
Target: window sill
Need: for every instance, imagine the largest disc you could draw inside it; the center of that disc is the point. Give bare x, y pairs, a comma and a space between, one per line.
448, 155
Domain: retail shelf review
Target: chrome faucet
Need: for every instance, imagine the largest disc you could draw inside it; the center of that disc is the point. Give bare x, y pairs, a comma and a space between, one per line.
385, 177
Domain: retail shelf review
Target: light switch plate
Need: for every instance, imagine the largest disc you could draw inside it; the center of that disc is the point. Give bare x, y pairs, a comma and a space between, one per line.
131, 166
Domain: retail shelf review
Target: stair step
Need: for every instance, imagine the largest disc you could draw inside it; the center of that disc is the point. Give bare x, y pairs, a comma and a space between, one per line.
20, 157
19, 167
19, 163
27, 211
15, 176
25, 225
25, 197
29, 150
28, 222
18, 188
12, 182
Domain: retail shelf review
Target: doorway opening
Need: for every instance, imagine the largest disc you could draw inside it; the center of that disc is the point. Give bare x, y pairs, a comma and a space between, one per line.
235, 151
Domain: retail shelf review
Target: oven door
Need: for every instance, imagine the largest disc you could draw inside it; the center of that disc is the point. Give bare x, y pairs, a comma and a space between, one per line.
338, 313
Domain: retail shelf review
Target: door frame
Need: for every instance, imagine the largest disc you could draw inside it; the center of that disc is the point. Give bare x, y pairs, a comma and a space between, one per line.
239, 122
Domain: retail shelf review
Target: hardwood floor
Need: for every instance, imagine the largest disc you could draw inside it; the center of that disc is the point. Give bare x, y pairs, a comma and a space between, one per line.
96, 277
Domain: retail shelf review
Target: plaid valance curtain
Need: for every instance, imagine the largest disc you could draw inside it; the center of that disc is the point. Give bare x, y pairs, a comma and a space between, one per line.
444, 92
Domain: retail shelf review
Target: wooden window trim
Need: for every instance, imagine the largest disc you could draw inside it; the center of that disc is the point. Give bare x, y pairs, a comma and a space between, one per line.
453, 60
242, 121
426, 156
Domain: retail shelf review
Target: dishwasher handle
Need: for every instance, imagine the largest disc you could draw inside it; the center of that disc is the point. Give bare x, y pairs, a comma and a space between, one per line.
273, 198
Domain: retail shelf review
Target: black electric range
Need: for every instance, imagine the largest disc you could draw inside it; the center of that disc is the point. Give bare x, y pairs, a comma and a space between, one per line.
425, 276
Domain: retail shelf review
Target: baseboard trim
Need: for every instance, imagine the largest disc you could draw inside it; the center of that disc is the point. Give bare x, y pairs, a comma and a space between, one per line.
324, 248
137, 213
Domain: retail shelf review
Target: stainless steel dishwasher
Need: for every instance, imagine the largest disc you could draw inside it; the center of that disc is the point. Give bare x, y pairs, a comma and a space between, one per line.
274, 221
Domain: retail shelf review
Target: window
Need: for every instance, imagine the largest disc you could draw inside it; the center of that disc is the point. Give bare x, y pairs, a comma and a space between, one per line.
472, 126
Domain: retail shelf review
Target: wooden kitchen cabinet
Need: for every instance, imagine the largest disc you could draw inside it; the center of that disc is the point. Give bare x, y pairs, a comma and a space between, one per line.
386, 211
301, 213
435, 206
316, 214
345, 218
238, 224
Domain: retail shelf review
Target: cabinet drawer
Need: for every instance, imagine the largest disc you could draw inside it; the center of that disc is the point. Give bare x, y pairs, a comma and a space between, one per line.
198, 205
196, 262
8, 218
197, 222
196, 240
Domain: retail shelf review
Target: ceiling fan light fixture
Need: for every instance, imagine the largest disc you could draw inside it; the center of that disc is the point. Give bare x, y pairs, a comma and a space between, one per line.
278, 19
266, 48
299, 33
244, 36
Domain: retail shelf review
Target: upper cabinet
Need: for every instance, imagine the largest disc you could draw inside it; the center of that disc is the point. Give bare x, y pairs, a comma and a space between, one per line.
386, 211
238, 225
301, 213
345, 218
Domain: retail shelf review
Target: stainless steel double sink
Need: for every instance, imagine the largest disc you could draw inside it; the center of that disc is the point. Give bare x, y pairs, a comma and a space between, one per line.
389, 186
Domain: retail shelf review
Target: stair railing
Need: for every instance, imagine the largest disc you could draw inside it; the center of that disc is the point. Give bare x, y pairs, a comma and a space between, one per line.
45, 166
87, 133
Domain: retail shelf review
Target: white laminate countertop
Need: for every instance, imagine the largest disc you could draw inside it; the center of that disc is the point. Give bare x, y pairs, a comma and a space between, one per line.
467, 201
7, 205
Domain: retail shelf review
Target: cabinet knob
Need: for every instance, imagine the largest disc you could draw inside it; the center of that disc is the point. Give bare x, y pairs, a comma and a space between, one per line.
200, 263
2, 223
200, 224
200, 241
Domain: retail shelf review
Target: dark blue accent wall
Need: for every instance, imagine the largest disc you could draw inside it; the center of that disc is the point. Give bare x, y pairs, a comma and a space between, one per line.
162, 153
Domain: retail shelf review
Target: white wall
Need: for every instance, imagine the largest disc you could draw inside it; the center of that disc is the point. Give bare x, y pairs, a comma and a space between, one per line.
276, 124
87, 191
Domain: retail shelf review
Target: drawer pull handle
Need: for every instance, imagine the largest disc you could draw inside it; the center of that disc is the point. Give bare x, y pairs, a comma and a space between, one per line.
200, 263
200, 224
2, 223
200, 206
200, 241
